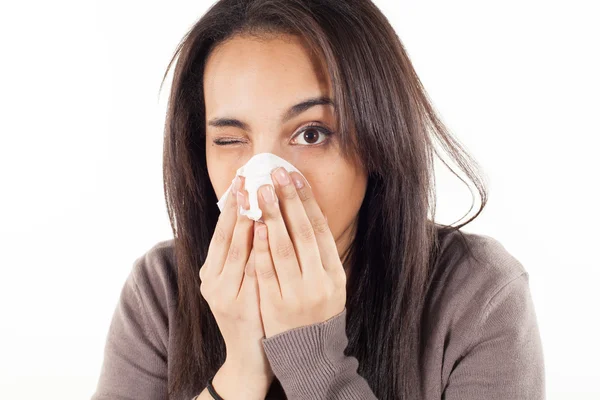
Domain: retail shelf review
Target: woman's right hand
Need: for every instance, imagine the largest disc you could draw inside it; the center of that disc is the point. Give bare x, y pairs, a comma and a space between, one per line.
228, 283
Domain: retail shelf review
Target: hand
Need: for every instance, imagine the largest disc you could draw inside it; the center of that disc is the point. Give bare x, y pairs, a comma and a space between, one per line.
301, 278
232, 294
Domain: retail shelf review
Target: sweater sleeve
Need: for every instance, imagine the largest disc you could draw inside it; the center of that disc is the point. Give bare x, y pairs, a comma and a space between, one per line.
504, 359
135, 363
310, 363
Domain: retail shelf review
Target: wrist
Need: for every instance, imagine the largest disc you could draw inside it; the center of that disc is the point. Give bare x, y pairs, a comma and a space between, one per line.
322, 356
232, 382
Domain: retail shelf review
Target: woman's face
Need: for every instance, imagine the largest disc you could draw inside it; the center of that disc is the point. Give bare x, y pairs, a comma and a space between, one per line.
251, 85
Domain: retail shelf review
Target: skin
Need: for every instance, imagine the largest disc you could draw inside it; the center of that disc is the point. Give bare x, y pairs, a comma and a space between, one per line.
263, 279
242, 81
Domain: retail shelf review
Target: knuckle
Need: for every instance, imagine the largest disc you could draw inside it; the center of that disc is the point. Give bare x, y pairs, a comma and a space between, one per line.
330, 293
304, 194
285, 250
319, 224
289, 192
219, 235
266, 273
271, 211
305, 232
231, 200
336, 293
316, 297
294, 306
234, 253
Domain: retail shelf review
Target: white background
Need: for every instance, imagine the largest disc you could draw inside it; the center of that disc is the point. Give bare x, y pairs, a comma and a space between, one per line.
81, 124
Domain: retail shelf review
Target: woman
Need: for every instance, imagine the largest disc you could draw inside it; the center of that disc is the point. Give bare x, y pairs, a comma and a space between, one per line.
348, 290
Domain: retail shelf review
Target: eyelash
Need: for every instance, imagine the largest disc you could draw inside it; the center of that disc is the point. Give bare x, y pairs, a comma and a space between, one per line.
320, 128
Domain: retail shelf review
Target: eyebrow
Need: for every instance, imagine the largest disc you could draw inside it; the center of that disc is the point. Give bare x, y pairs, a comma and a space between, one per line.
289, 114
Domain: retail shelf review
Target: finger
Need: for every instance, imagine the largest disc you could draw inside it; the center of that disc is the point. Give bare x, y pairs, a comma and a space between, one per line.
239, 250
328, 253
221, 238
249, 284
298, 225
280, 244
250, 268
268, 282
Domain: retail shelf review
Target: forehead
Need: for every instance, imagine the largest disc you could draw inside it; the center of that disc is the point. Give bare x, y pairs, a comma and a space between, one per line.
246, 69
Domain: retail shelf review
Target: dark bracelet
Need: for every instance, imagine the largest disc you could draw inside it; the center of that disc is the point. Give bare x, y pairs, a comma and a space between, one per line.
212, 391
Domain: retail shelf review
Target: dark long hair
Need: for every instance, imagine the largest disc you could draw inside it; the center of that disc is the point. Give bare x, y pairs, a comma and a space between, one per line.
386, 120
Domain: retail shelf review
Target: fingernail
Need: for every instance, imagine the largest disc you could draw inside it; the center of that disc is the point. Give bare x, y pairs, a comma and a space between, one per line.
282, 176
240, 199
297, 181
236, 185
268, 193
262, 231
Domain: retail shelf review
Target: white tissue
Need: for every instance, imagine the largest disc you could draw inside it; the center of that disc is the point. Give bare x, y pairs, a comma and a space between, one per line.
257, 172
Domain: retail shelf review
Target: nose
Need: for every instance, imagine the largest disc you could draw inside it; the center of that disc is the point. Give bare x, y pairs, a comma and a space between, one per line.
268, 142
271, 139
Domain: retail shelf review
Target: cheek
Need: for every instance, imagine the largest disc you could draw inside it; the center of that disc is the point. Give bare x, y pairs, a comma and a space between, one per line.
339, 199
340, 195
220, 174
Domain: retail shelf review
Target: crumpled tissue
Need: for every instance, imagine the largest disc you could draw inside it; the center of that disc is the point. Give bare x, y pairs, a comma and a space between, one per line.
257, 172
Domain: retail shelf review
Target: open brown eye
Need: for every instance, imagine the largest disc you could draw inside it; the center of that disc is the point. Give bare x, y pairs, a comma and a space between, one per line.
312, 133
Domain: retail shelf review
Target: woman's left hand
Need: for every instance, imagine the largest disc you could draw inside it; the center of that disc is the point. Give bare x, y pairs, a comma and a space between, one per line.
300, 275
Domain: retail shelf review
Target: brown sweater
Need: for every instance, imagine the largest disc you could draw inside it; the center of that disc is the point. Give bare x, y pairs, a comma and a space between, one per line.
483, 340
